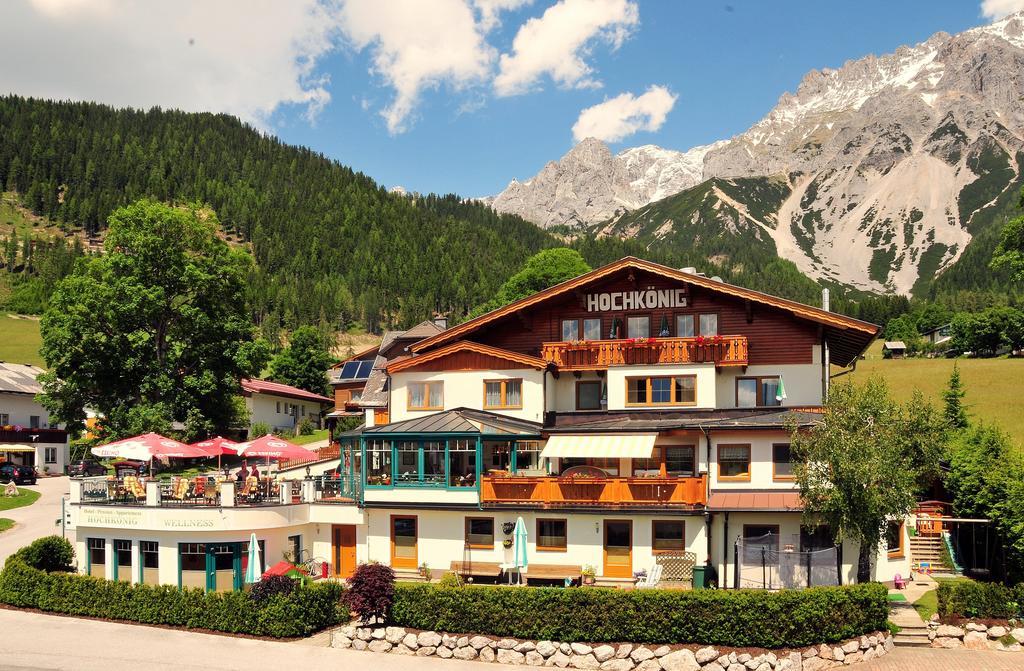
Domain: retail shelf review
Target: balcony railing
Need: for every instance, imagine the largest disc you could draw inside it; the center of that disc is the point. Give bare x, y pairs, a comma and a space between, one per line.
600, 354
610, 491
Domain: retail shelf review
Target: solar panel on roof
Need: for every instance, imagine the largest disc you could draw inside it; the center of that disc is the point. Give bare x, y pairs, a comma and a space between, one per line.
364, 369
349, 369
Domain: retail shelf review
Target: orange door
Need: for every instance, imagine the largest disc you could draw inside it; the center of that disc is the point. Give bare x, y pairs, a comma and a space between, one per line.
343, 550
618, 549
403, 541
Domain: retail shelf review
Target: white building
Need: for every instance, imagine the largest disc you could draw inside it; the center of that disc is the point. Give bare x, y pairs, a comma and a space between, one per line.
281, 406
634, 415
25, 423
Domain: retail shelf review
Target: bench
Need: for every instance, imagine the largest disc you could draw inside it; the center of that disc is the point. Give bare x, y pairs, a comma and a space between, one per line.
477, 568
553, 572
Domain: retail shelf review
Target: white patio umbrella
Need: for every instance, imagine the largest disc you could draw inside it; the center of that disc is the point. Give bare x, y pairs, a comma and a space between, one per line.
519, 546
252, 570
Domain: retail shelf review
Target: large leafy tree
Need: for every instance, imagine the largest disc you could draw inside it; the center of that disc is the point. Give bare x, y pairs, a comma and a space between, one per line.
1009, 253
863, 465
542, 270
304, 362
155, 330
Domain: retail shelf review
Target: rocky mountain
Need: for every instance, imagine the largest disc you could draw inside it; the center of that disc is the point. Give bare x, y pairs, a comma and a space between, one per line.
875, 175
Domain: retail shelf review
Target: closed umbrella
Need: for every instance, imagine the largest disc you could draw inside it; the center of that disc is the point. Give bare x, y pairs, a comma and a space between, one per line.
252, 569
519, 546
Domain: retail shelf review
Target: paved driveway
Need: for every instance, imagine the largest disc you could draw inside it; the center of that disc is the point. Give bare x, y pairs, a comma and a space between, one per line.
36, 520
927, 659
52, 642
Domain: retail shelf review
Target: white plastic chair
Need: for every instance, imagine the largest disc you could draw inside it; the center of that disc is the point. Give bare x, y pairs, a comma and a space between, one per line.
652, 579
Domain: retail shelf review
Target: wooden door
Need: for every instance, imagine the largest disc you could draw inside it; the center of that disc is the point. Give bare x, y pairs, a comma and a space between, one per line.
343, 550
618, 549
403, 542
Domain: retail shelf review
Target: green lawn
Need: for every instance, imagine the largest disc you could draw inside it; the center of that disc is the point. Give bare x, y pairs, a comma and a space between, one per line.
991, 384
20, 340
25, 497
323, 434
928, 604
5, 524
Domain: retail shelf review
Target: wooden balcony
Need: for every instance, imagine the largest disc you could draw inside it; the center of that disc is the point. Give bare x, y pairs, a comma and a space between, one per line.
555, 491
600, 354
28, 436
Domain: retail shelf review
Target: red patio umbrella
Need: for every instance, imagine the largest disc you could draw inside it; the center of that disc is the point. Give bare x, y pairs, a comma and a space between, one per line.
271, 447
147, 447
217, 447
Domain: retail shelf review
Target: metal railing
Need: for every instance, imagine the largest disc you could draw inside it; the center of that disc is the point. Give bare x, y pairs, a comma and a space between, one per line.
335, 489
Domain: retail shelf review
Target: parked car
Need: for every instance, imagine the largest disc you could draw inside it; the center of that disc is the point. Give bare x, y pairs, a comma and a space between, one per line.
85, 467
21, 475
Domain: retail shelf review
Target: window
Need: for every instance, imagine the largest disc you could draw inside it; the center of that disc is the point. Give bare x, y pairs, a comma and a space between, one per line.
149, 553
403, 541
97, 548
123, 554
426, 396
503, 394
758, 391
408, 453
498, 455
433, 463
33, 421
734, 462
570, 329
760, 541
678, 390
5, 419
50, 455
680, 462
610, 466
591, 329
782, 464
894, 539
528, 455
296, 547
303, 410
277, 406
708, 325
378, 463
638, 327
480, 532
589, 394
551, 535
668, 536
815, 539
461, 463
684, 326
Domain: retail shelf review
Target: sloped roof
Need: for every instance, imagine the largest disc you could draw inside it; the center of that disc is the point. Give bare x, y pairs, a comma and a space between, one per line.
848, 337
461, 420
759, 500
278, 389
895, 344
424, 329
407, 363
20, 378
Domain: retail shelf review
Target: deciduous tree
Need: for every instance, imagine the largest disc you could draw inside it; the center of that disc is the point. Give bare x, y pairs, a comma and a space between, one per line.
304, 362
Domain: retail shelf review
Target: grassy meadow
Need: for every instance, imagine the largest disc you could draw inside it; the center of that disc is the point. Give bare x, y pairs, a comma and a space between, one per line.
20, 340
991, 384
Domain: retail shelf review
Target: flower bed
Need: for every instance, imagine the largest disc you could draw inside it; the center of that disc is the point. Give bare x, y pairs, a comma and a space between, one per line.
305, 611
788, 618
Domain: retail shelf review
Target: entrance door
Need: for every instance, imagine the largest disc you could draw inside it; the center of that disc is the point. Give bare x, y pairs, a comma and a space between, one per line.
618, 549
403, 541
343, 550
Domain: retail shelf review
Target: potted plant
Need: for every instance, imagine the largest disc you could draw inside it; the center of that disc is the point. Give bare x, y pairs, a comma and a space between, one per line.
507, 543
425, 571
508, 527
589, 574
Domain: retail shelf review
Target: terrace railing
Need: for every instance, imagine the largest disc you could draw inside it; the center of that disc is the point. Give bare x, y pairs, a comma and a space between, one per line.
576, 491
600, 354
335, 489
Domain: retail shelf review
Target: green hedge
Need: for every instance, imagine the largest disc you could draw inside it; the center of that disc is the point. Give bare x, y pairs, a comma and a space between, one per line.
738, 618
966, 598
310, 609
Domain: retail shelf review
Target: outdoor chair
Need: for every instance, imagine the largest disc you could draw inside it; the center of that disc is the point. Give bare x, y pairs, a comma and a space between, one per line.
652, 578
179, 489
133, 488
199, 488
211, 493
899, 582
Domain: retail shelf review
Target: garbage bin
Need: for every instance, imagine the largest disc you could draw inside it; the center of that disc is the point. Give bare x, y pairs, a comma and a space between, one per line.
698, 577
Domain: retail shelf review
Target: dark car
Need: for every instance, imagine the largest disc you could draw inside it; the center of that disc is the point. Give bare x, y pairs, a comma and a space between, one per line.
85, 467
21, 475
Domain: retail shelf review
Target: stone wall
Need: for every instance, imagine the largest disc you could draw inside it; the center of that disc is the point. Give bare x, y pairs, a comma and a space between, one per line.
976, 636
606, 657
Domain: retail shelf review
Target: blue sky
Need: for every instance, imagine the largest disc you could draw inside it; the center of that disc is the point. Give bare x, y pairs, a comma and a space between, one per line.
457, 95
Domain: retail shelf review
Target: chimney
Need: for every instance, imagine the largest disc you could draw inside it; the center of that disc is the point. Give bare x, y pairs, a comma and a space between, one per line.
689, 270
440, 321
825, 300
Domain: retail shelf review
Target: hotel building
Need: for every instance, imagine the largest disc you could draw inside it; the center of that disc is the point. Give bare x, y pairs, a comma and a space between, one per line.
634, 414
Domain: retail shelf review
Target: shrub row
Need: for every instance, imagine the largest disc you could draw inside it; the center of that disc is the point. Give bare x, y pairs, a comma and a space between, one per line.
965, 598
737, 618
305, 611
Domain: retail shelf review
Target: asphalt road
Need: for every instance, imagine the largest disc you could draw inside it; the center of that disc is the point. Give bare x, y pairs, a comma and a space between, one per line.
36, 520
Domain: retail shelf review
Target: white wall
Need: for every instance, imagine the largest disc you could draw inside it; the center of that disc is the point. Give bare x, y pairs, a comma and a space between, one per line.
21, 407
441, 537
263, 408
706, 386
802, 381
465, 388
760, 459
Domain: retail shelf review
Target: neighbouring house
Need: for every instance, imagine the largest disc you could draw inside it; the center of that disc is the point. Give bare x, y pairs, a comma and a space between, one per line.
634, 416
939, 334
26, 435
894, 349
282, 406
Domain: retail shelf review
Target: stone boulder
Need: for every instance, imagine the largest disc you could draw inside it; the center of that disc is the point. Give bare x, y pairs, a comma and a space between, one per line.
509, 656
680, 660
603, 653
585, 661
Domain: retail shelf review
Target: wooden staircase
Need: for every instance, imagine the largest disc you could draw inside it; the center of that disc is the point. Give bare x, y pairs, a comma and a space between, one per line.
927, 549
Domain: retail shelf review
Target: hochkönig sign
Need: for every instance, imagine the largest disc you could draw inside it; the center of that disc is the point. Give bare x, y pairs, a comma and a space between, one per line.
643, 299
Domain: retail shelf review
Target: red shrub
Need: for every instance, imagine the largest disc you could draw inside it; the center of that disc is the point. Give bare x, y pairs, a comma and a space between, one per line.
371, 590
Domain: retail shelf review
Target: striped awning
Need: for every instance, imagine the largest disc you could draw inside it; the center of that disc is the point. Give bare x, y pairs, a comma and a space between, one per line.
601, 446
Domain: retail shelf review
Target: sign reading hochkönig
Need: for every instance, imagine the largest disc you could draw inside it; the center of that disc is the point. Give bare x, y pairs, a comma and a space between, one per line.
643, 299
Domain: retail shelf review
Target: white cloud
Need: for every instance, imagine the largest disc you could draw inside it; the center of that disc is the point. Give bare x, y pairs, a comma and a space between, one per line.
489, 10
625, 114
417, 45
997, 9
557, 42
245, 57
